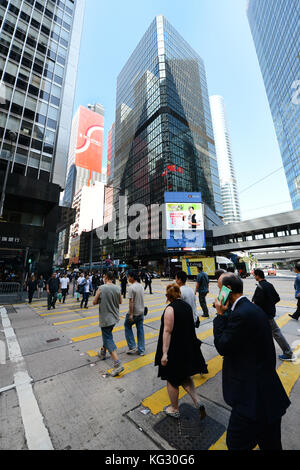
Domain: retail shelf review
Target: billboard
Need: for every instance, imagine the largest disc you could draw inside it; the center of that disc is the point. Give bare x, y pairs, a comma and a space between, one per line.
190, 265
184, 221
89, 146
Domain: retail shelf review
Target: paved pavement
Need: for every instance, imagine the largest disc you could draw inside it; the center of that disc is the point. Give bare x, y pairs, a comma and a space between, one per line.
54, 392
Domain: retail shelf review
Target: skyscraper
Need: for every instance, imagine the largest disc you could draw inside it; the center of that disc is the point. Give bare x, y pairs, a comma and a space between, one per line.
275, 27
40, 43
163, 131
230, 198
85, 151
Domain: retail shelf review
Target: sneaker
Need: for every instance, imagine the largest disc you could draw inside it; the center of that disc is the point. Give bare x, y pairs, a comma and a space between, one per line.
205, 316
172, 414
117, 370
102, 354
285, 357
201, 409
141, 353
132, 352
292, 316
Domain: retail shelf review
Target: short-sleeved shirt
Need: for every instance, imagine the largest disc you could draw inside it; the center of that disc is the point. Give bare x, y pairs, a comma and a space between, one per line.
188, 295
203, 281
136, 292
64, 282
109, 306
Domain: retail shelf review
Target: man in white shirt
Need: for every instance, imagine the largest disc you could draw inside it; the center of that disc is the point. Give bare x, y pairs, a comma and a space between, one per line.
64, 285
188, 295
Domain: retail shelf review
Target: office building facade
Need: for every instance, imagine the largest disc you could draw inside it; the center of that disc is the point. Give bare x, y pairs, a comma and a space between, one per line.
229, 191
275, 28
40, 43
163, 131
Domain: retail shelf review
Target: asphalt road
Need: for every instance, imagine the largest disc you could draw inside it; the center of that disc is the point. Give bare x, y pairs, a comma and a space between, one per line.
55, 394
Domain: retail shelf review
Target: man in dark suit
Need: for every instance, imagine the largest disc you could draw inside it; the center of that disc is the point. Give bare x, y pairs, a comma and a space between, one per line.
251, 385
266, 297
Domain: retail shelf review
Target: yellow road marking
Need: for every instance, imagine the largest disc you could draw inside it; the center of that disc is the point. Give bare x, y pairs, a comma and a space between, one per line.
148, 358
158, 400
122, 344
96, 316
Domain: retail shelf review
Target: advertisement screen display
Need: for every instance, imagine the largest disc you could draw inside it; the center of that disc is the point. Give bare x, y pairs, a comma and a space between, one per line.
89, 146
185, 221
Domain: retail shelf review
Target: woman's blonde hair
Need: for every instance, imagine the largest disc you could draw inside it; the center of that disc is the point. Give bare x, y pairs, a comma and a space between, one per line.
173, 292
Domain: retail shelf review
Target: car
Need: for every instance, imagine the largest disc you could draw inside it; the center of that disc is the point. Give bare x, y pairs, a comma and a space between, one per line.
155, 276
272, 272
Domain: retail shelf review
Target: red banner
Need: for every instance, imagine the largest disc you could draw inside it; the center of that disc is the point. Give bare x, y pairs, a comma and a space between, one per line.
89, 148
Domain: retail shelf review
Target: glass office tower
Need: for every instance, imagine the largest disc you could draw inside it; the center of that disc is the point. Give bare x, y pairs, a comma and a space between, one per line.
39, 52
163, 132
230, 198
275, 26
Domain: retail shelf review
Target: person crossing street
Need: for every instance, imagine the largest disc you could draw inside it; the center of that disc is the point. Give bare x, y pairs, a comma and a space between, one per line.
202, 288
266, 297
135, 316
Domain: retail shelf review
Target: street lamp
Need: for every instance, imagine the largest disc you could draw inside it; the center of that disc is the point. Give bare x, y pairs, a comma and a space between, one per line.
12, 138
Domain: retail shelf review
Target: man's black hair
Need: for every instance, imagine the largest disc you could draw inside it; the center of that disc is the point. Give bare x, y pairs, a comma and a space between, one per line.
234, 283
259, 273
219, 273
200, 268
110, 275
182, 276
297, 266
192, 208
134, 275
230, 269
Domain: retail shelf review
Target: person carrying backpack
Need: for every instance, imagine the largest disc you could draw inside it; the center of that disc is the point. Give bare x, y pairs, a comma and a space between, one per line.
266, 297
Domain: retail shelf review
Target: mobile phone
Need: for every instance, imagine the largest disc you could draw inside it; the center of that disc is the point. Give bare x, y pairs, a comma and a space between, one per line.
225, 292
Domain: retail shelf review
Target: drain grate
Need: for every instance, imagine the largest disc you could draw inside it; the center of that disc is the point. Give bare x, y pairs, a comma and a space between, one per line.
189, 432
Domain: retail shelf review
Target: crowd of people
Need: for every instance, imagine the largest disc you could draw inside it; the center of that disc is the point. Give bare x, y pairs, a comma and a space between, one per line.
243, 334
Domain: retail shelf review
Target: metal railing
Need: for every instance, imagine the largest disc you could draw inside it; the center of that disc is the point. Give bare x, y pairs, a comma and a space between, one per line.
11, 290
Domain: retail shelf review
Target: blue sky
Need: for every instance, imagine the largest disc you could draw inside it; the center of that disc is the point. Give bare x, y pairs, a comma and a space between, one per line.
219, 31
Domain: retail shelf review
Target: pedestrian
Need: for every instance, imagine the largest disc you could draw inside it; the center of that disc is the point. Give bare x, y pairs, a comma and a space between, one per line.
178, 354
40, 286
251, 386
53, 288
95, 283
64, 285
31, 288
109, 299
124, 281
296, 315
202, 288
188, 295
86, 287
148, 281
135, 316
266, 297
79, 287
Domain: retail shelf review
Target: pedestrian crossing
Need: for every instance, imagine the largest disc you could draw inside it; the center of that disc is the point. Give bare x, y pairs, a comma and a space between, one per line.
69, 319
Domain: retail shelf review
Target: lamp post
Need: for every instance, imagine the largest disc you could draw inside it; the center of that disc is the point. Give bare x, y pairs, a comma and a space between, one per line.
12, 138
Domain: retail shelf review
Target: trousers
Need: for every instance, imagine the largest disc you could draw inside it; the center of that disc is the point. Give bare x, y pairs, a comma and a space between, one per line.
244, 434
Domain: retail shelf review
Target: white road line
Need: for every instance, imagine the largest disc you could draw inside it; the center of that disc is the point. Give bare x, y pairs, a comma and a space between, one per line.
36, 434
2, 353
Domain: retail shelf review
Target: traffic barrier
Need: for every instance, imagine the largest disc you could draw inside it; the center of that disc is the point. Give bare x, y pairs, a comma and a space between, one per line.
10, 291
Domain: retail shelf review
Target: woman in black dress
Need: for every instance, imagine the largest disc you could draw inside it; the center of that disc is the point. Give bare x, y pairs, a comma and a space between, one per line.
178, 354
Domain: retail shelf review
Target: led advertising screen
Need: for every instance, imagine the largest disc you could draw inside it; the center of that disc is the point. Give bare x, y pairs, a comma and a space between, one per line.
185, 221
89, 146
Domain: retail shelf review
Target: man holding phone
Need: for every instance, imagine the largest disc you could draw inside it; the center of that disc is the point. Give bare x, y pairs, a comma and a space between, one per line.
251, 385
